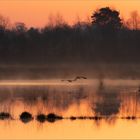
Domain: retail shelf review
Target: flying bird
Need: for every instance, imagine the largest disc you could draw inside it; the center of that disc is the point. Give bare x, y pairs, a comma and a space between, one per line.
75, 79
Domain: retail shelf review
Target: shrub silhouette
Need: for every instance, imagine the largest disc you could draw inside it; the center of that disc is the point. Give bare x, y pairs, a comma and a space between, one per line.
26, 117
4, 115
53, 117
41, 118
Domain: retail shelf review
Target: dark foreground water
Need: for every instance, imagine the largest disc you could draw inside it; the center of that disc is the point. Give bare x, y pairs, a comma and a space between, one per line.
90, 109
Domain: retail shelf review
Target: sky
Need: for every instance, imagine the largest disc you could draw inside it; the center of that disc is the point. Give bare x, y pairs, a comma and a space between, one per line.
37, 12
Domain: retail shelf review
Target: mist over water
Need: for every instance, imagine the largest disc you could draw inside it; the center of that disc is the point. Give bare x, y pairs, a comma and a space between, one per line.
60, 70
86, 97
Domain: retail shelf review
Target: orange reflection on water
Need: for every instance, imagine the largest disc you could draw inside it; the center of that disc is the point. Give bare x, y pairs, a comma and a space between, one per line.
110, 101
67, 129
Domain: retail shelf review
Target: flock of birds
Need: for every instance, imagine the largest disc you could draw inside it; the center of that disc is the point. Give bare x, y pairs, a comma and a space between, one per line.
75, 79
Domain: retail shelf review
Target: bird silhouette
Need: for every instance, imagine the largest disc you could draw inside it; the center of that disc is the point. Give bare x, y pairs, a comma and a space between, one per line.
75, 79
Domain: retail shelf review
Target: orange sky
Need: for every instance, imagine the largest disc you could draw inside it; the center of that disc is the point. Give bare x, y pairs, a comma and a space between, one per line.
36, 12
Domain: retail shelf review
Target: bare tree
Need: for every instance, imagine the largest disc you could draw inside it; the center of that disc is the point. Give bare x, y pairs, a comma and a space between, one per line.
51, 22
77, 23
134, 20
59, 20
88, 20
126, 23
56, 20
4, 22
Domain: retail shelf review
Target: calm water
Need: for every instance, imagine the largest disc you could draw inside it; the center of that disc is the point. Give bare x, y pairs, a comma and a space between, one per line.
115, 101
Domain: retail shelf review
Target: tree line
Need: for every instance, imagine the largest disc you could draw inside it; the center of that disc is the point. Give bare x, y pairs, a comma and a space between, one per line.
107, 38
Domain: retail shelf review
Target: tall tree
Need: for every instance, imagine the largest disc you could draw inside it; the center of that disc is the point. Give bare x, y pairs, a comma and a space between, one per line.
106, 18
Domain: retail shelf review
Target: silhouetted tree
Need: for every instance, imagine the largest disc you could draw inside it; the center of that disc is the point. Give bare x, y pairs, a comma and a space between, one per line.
135, 20
59, 42
106, 18
20, 27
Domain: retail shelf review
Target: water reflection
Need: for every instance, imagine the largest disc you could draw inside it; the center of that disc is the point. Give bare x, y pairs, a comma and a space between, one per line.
108, 102
97, 107
105, 101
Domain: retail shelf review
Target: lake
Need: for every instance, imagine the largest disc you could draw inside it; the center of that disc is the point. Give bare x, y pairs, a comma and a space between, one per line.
90, 109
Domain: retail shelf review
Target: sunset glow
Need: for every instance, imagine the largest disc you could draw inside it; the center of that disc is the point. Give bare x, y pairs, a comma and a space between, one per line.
36, 12
69, 69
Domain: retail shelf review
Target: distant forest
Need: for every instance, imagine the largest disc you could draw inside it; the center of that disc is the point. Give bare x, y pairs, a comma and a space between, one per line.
105, 38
